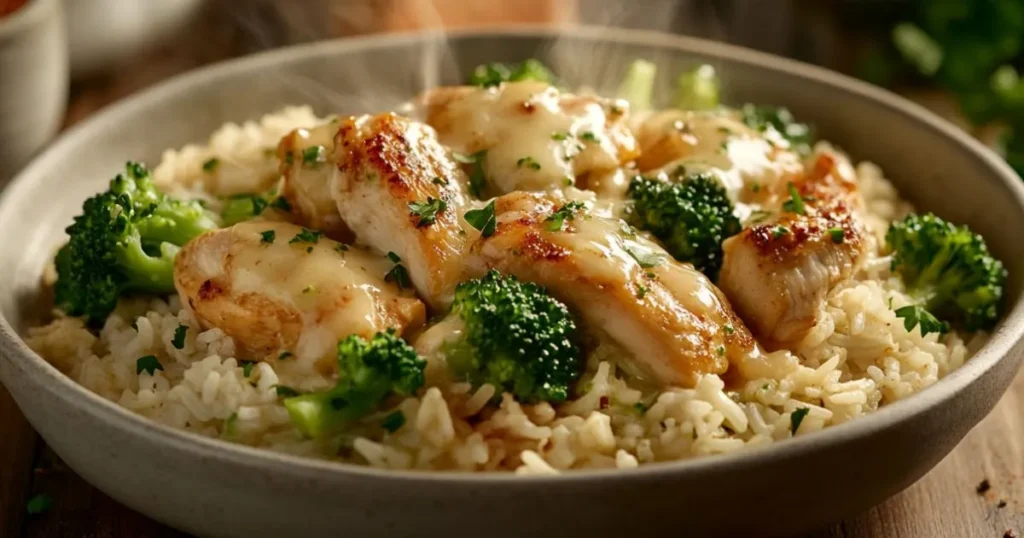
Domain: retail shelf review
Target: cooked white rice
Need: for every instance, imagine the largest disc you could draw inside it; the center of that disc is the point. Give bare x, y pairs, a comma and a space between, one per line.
858, 358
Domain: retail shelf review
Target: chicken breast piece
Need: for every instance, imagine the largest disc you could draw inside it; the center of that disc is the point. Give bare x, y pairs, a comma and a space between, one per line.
669, 317
530, 136
274, 286
307, 167
399, 190
777, 272
745, 160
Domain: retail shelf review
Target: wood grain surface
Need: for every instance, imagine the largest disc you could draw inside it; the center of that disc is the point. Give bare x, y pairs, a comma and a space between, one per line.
976, 492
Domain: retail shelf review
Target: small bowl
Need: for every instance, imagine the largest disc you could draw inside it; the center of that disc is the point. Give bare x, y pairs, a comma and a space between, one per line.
212, 488
33, 81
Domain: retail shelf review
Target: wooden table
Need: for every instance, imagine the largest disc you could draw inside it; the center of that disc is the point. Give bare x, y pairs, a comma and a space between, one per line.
949, 502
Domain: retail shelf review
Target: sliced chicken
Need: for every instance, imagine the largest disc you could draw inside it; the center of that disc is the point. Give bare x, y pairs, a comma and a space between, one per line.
778, 271
669, 317
307, 165
530, 136
746, 161
274, 286
399, 190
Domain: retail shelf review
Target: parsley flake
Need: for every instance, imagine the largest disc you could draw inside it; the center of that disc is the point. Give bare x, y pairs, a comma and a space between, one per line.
148, 364
247, 368
314, 156
426, 212
559, 136
267, 237
285, 355
779, 231
398, 274
477, 179
285, 392
837, 234
306, 236
210, 165
795, 204
797, 417
179, 337
568, 211
914, 315
282, 204
482, 219
39, 504
528, 162
393, 421
643, 255
589, 136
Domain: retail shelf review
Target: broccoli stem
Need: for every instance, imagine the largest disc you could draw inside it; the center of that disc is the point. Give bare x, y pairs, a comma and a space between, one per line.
638, 85
144, 272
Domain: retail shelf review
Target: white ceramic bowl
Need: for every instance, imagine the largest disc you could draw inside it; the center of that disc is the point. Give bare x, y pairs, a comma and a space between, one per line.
213, 488
33, 81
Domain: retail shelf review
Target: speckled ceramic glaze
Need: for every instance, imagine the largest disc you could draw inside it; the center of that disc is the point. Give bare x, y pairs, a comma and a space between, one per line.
212, 488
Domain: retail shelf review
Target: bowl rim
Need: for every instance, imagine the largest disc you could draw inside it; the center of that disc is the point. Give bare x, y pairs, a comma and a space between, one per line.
1006, 335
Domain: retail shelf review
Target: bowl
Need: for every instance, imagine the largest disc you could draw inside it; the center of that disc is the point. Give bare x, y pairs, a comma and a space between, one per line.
212, 488
33, 81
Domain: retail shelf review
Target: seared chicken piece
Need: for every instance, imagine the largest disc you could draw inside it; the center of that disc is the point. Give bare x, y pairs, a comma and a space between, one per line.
668, 316
274, 286
778, 272
399, 191
535, 137
746, 161
306, 163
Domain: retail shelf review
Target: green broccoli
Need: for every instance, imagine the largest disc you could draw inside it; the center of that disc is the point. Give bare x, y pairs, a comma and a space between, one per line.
691, 216
698, 89
368, 373
637, 86
493, 74
241, 207
125, 240
517, 338
948, 270
765, 118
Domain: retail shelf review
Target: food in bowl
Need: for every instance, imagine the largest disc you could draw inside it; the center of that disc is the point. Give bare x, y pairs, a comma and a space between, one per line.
507, 276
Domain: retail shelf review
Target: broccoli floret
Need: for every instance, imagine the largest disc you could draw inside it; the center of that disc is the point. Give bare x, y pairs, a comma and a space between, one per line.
766, 118
493, 74
516, 337
697, 89
368, 373
125, 240
637, 86
691, 216
948, 270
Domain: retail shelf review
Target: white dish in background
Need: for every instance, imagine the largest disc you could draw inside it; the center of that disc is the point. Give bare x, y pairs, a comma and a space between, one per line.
104, 34
33, 81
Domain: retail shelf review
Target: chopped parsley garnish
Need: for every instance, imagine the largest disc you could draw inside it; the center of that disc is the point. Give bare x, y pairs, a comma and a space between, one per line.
285, 355
439, 181
398, 274
247, 367
393, 421
795, 204
642, 254
210, 165
589, 136
639, 407
148, 364
568, 181
568, 211
914, 315
720, 351
427, 211
267, 237
314, 156
528, 162
179, 337
309, 289
559, 136
477, 179
39, 504
760, 216
641, 291
285, 392
796, 417
341, 247
779, 231
282, 204
729, 329
837, 235
482, 219
306, 236
755, 187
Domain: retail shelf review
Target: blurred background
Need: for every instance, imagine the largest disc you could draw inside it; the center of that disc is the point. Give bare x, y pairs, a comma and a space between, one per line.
958, 57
